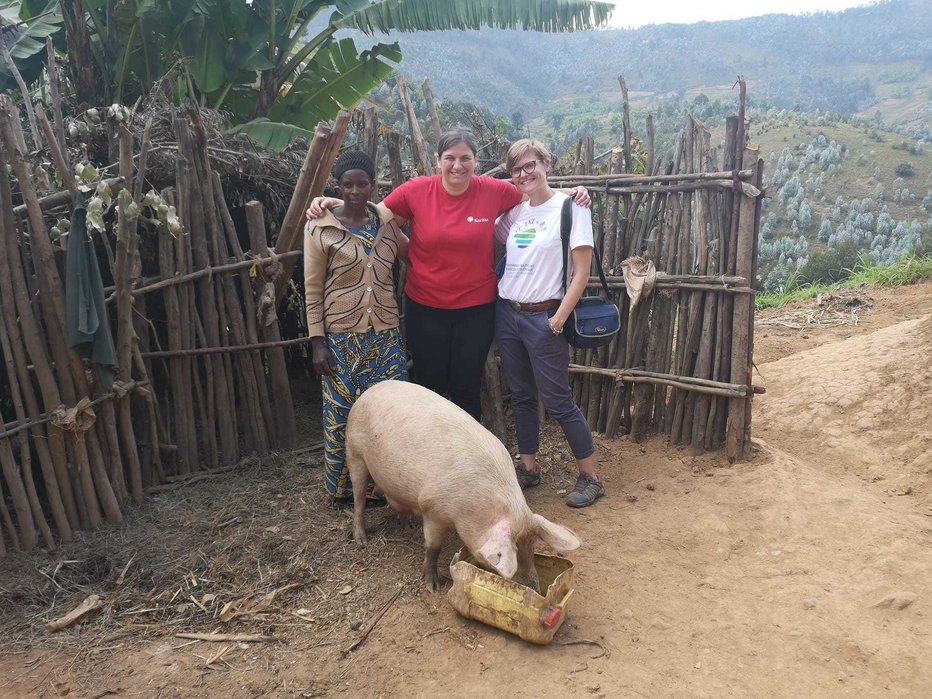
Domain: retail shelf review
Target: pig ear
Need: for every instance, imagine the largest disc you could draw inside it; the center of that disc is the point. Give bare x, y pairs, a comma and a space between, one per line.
557, 537
499, 550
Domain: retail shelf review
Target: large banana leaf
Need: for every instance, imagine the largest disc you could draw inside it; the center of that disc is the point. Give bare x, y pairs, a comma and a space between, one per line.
336, 77
428, 15
25, 28
271, 134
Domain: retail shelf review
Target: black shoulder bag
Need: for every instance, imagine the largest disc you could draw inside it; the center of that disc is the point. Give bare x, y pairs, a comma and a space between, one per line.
595, 320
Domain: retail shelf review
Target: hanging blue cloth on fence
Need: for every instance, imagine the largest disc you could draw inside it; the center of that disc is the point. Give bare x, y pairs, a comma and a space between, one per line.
85, 308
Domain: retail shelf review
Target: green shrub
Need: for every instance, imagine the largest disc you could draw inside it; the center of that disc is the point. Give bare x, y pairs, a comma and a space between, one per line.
830, 266
905, 170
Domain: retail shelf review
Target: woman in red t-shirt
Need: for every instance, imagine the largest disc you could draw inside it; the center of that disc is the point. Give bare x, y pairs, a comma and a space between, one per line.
451, 285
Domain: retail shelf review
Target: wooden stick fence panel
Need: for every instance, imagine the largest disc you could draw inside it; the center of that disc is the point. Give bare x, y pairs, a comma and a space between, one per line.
27, 346
216, 372
240, 370
220, 392
59, 382
248, 321
25, 453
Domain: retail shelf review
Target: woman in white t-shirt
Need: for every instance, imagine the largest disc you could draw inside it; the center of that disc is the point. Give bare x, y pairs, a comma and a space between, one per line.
531, 312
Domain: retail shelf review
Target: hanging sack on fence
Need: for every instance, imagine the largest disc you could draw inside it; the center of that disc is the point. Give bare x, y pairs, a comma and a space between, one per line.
595, 320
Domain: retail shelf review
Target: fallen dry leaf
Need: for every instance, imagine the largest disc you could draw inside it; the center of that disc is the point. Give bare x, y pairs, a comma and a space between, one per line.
248, 605
90, 604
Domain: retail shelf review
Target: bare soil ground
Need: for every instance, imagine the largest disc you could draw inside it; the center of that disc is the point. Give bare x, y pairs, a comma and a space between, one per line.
803, 572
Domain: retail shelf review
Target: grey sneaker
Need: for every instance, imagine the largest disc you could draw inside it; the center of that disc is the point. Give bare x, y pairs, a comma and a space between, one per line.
588, 489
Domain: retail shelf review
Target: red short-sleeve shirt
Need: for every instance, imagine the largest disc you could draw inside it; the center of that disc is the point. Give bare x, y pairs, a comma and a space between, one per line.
451, 250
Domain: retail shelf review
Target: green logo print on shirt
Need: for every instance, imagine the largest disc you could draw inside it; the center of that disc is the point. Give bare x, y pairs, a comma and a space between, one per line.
525, 238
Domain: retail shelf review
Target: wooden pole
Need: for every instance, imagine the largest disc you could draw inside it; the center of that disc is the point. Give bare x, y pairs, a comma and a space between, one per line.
741, 332
396, 173
311, 182
14, 482
371, 140
269, 331
252, 364
626, 123
686, 383
122, 276
25, 452
417, 140
51, 68
61, 199
625, 179
431, 110
24, 91
59, 155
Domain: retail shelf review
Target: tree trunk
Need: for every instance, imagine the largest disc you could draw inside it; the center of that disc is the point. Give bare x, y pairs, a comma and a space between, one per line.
268, 93
81, 58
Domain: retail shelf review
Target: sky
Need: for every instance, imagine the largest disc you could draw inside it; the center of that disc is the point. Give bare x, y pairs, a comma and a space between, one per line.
634, 13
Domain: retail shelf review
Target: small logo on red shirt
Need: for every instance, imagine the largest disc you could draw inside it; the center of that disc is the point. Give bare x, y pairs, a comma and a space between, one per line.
470, 219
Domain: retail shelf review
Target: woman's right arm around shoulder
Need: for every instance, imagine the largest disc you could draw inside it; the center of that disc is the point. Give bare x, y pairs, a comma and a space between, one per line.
321, 204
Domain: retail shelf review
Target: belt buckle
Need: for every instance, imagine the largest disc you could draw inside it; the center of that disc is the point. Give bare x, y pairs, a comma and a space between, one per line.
515, 305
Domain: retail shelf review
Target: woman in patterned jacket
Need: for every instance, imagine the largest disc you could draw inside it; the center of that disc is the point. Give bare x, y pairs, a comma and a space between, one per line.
352, 314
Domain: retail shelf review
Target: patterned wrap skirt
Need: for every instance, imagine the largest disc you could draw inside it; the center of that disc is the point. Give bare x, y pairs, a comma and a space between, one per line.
362, 360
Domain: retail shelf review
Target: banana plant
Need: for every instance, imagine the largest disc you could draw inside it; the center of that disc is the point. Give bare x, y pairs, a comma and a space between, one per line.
24, 26
258, 59
326, 74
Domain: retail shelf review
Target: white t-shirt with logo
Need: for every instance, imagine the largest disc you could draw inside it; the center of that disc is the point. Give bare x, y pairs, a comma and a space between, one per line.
534, 255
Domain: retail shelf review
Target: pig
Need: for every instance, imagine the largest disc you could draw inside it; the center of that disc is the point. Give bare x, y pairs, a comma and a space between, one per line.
431, 459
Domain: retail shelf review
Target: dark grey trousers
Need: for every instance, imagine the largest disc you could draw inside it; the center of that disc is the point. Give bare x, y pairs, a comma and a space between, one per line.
536, 364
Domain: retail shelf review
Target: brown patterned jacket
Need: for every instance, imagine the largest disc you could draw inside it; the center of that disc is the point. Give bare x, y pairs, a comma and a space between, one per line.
345, 290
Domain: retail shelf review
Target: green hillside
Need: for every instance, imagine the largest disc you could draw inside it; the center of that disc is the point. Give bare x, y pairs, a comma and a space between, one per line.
837, 191
859, 61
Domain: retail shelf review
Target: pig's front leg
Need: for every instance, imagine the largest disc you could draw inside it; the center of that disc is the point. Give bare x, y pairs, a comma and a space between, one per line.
434, 535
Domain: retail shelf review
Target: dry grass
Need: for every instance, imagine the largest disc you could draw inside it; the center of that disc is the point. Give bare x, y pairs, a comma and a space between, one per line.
840, 307
189, 552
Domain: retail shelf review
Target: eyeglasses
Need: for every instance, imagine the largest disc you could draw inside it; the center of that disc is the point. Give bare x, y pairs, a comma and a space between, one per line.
527, 168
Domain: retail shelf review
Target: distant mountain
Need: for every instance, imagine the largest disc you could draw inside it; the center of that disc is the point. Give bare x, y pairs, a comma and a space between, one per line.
860, 60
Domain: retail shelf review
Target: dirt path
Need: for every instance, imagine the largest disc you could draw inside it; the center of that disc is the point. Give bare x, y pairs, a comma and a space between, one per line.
696, 578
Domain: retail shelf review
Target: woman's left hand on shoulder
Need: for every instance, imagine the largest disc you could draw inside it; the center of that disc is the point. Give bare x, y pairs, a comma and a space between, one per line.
581, 196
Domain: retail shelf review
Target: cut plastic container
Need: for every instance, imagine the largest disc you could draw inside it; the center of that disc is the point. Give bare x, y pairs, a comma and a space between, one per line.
493, 600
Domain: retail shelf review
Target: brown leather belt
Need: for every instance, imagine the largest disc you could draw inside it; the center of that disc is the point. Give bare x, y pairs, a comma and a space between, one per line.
534, 307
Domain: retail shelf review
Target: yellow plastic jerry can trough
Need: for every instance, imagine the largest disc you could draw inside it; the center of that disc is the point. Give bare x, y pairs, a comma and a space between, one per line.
493, 600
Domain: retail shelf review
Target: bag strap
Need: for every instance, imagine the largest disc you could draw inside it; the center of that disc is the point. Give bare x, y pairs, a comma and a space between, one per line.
566, 225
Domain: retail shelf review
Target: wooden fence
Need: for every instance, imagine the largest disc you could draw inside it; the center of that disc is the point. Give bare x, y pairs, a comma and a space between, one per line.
202, 378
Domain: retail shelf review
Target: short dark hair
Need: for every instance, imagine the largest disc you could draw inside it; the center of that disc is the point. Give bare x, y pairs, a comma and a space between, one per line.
454, 137
353, 160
